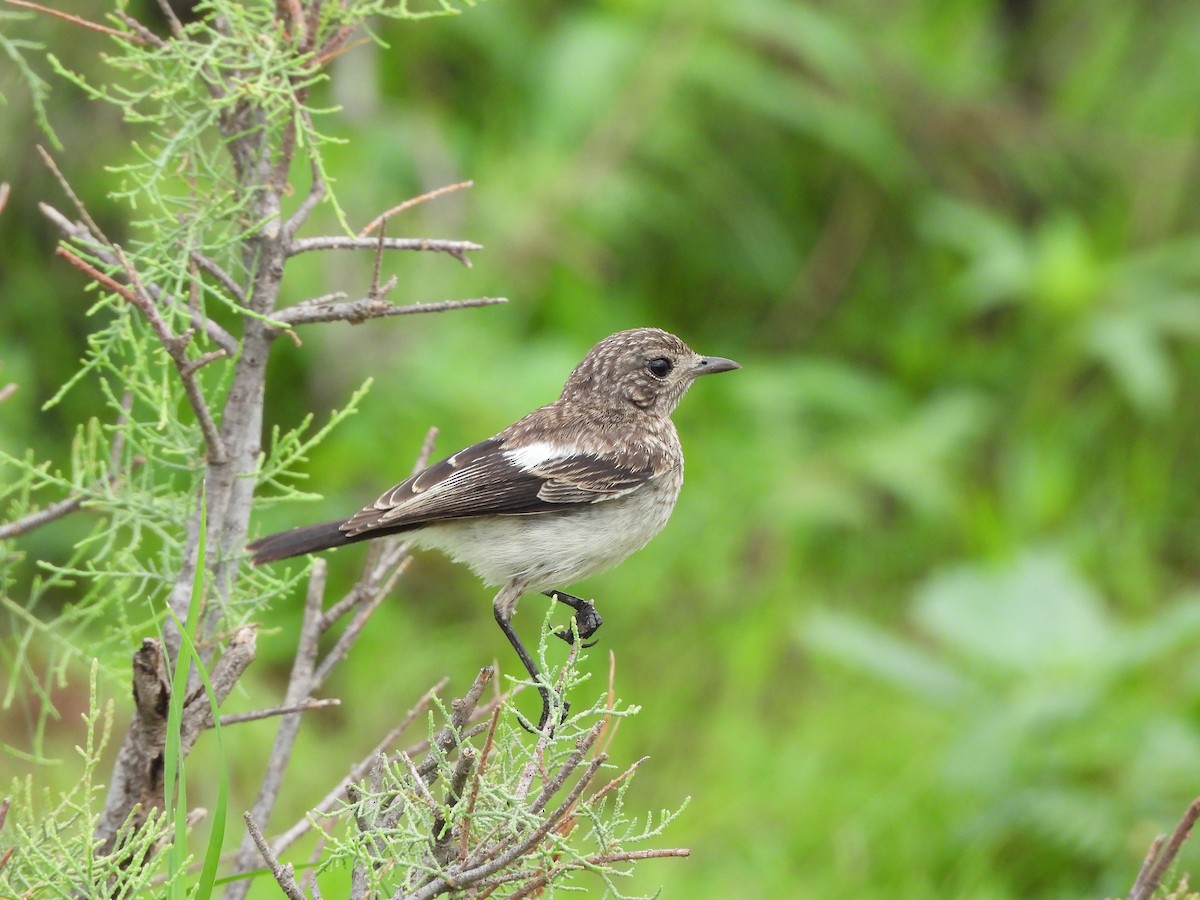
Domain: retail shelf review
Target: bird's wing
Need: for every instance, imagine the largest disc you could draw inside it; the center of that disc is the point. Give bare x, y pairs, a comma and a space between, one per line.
491, 478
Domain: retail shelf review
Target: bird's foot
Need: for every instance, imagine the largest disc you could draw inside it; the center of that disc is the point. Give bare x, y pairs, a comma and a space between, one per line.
587, 620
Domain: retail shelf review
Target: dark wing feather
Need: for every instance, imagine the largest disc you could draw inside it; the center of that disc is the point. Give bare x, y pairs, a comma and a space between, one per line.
589, 479
483, 480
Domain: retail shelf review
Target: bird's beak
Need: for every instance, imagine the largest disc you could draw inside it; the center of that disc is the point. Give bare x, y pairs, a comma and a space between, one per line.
710, 365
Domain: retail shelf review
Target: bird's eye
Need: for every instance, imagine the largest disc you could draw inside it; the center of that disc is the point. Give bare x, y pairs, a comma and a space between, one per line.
659, 367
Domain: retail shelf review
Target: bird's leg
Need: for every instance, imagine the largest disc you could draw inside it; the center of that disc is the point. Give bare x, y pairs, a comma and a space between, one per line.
587, 620
534, 672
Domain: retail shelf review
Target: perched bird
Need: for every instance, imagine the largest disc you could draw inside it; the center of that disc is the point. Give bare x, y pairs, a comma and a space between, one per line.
568, 491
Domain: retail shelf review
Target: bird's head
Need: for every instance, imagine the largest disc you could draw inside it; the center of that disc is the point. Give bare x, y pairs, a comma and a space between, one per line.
647, 368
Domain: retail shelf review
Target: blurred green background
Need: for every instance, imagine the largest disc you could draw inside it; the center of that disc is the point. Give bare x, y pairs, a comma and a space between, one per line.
924, 623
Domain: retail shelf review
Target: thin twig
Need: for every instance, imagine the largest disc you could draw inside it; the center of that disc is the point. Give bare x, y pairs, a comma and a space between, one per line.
351, 634
376, 291
418, 782
457, 249
299, 692
34, 520
93, 230
62, 508
1156, 863
103, 251
411, 202
316, 193
213, 268
356, 311
175, 345
357, 771
283, 874
172, 19
147, 36
75, 20
254, 716
459, 878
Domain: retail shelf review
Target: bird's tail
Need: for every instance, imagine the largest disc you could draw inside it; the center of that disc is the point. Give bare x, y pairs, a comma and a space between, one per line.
298, 541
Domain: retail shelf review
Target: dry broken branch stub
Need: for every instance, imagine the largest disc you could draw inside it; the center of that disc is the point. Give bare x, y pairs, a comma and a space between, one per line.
137, 784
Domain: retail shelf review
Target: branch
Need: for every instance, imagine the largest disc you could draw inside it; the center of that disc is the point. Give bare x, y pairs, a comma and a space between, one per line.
212, 268
136, 789
284, 874
76, 20
301, 685
1158, 860
62, 508
285, 710
35, 520
79, 232
463, 711
414, 201
540, 880
316, 192
457, 249
175, 345
356, 311
458, 877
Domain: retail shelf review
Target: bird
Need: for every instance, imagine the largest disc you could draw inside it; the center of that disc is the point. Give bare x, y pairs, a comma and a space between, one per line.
567, 491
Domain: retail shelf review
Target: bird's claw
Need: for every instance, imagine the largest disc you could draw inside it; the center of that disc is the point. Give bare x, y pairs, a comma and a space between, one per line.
587, 622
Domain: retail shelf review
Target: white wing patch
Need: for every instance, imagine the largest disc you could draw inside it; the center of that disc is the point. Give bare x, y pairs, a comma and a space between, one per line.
535, 454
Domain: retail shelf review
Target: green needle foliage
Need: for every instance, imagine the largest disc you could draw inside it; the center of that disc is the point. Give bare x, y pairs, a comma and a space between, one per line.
226, 162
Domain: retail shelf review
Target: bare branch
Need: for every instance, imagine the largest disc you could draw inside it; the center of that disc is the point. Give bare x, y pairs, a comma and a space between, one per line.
413, 201
51, 513
377, 291
175, 345
212, 268
58, 510
284, 874
1158, 860
316, 193
92, 230
98, 246
197, 707
357, 311
458, 877
351, 634
172, 19
442, 834
147, 36
300, 687
238, 718
357, 771
76, 20
457, 249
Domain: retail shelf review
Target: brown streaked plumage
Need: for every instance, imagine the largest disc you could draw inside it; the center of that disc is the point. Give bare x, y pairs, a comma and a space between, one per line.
567, 491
